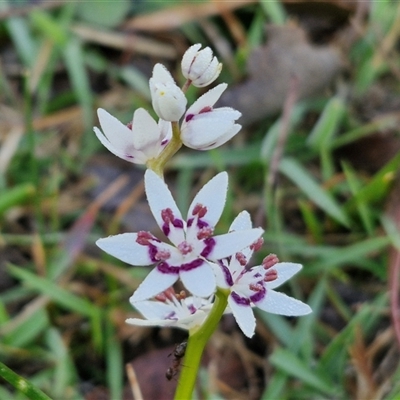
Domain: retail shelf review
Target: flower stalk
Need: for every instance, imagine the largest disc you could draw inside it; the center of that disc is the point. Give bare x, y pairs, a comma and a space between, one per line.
196, 343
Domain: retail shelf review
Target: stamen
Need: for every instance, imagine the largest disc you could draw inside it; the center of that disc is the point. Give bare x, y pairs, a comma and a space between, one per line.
257, 244
271, 275
129, 125
241, 258
199, 210
270, 261
205, 233
167, 215
144, 238
256, 287
205, 109
181, 295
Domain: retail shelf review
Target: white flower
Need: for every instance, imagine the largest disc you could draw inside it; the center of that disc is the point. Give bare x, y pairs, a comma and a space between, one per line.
169, 309
254, 287
200, 67
169, 102
138, 143
205, 127
193, 246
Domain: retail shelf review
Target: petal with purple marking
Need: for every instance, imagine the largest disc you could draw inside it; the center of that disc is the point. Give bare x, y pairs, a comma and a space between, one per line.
244, 316
158, 280
200, 280
125, 248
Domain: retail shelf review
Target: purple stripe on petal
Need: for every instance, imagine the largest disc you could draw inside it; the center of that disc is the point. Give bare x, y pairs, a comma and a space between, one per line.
189, 117
165, 268
177, 223
244, 301
209, 246
165, 229
258, 296
201, 224
192, 265
227, 274
190, 222
152, 252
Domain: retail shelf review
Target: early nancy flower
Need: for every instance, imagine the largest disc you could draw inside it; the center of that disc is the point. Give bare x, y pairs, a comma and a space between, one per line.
254, 287
138, 142
205, 127
173, 310
200, 67
169, 102
193, 245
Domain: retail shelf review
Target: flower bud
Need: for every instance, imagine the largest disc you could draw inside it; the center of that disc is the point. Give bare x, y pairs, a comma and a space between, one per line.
200, 67
169, 102
205, 127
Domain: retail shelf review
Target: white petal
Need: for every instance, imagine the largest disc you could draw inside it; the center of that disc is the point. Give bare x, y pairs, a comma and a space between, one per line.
228, 135
279, 303
241, 222
210, 129
285, 271
151, 322
233, 242
187, 59
244, 317
125, 248
161, 74
199, 281
118, 134
219, 276
151, 309
213, 196
154, 283
159, 198
208, 99
134, 156
145, 130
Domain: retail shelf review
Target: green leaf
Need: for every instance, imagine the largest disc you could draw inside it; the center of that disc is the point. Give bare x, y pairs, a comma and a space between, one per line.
301, 177
328, 123
287, 361
55, 292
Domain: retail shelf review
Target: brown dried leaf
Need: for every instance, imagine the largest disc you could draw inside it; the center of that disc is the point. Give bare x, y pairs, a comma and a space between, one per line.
270, 68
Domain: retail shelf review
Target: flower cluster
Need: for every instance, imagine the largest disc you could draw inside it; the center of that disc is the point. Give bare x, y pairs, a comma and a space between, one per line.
204, 262
203, 127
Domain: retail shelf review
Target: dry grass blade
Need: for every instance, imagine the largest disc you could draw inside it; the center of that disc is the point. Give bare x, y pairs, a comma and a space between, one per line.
133, 382
174, 17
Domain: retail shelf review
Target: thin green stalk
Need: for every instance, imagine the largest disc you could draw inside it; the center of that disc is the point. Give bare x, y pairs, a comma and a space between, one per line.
22, 384
158, 164
196, 344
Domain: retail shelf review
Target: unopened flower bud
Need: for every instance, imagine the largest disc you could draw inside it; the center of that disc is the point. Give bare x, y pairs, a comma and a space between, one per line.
200, 67
169, 102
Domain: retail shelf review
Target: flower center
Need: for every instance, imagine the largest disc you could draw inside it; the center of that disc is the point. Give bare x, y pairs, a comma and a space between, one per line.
185, 248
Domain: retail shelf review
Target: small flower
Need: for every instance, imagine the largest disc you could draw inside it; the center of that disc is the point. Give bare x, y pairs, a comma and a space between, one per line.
169, 102
200, 67
139, 142
254, 287
205, 127
173, 310
193, 245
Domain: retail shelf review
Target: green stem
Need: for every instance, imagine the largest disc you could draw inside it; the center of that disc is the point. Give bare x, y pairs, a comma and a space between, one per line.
22, 384
196, 344
158, 164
